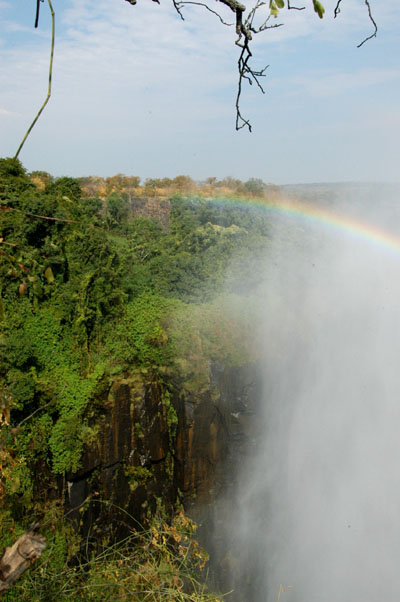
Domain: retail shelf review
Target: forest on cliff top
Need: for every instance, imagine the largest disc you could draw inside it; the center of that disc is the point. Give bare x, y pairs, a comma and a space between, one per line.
92, 288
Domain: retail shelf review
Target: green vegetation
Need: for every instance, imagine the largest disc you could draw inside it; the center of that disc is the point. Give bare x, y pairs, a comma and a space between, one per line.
89, 292
159, 564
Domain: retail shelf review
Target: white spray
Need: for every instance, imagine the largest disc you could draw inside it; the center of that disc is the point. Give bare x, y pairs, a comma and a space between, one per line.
319, 505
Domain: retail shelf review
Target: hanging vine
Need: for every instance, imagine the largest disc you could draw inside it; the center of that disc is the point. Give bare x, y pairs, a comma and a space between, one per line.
50, 73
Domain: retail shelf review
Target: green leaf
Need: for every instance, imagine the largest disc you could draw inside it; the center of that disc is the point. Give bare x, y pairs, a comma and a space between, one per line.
319, 9
273, 8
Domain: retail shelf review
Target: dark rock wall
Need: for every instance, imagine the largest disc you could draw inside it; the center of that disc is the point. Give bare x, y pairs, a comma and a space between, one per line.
239, 409
142, 456
131, 464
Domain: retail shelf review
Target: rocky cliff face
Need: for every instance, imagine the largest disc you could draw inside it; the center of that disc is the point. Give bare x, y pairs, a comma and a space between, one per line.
156, 443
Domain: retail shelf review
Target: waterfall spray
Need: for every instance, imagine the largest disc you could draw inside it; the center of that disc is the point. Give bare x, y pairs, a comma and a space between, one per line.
318, 504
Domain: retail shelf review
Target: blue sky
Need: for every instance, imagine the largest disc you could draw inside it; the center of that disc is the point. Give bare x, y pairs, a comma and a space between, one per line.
138, 91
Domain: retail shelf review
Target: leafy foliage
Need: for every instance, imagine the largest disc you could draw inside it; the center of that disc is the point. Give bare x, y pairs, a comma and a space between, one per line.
79, 302
88, 291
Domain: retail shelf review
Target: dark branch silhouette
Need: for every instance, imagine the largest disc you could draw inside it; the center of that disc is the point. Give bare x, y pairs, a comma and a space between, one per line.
371, 18
290, 7
178, 5
337, 8
373, 35
37, 13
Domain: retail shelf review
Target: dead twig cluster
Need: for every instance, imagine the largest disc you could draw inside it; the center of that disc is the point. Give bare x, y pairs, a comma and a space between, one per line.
371, 18
246, 29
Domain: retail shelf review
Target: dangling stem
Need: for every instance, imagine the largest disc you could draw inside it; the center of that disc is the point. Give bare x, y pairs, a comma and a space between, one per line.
49, 88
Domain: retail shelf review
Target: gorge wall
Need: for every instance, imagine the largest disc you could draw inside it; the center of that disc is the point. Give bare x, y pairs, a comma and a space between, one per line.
158, 444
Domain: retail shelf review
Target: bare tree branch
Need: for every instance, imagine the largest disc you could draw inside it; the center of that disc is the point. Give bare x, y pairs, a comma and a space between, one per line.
184, 2
252, 13
244, 30
37, 12
337, 8
246, 72
177, 6
371, 18
264, 26
238, 9
33, 413
241, 122
56, 219
373, 35
290, 7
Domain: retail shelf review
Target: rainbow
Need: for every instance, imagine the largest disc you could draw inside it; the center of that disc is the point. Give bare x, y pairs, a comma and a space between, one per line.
311, 213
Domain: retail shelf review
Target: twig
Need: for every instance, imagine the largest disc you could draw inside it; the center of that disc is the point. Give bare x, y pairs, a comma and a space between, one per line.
53, 219
179, 4
60, 219
371, 18
250, 18
37, 13
50, 76
264, 26
373, 35
251, 15
246, 72
87, 499
33, 413
283, 590
337, 8
296, 7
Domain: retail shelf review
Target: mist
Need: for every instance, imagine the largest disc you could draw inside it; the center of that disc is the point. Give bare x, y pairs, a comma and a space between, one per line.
318, 503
